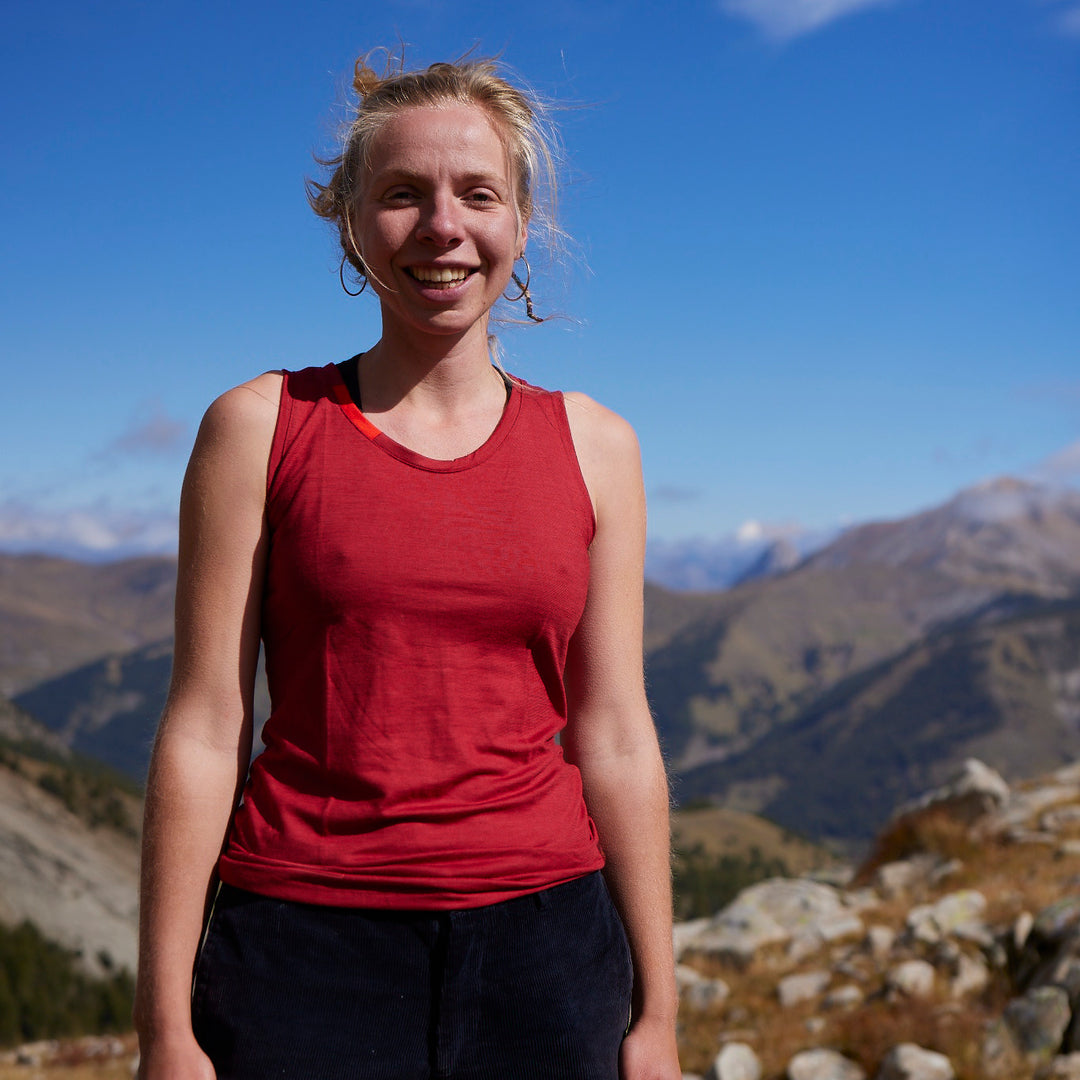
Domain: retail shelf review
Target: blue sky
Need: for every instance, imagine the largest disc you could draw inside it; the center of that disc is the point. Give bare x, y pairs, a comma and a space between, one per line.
828, 251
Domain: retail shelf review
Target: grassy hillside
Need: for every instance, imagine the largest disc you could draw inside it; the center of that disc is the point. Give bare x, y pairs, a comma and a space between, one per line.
1000, 691
45, 994
56, 614
716, 852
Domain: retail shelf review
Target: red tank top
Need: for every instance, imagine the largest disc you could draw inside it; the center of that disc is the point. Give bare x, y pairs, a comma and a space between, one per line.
416, 617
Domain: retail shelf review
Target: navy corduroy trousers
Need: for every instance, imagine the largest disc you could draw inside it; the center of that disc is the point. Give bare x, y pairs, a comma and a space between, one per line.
535, 988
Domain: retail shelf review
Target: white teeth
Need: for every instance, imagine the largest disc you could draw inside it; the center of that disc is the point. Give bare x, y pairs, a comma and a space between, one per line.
439, 276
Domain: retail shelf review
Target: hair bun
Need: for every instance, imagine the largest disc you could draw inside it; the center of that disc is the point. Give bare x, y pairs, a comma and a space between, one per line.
365, 80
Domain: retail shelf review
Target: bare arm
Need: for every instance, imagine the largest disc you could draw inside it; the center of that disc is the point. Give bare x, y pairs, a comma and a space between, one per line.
611, 738
204, 740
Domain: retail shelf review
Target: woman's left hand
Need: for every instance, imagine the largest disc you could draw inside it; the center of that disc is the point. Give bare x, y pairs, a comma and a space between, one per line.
650, 1052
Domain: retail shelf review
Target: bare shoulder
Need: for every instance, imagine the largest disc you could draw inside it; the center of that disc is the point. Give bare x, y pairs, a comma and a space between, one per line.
232, 449
599, 434
610, 462
246, 411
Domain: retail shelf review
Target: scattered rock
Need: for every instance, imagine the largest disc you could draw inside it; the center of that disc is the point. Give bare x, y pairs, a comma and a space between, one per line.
1019, 835
1061, 818
1066, 1067
879, 941
1037, 1021
684, 932
910, 1062
973, 792
1054, 923
944, 937
772, 912
999, 1054
705, 993
958, 914
900, 878
1026, 806
805, 987
912, 978
945, 871
1021, 929
823, 1065
736, 1061
843, 997
971, 976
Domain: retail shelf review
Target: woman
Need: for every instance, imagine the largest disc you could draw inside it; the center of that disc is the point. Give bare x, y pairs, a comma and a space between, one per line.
445, 565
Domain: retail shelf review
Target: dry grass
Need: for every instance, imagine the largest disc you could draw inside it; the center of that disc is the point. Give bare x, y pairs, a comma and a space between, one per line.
89, 1058
722, 831
932, 831
1014, 878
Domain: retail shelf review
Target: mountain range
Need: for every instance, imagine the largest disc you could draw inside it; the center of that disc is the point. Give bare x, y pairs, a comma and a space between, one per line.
824, 695
820, 691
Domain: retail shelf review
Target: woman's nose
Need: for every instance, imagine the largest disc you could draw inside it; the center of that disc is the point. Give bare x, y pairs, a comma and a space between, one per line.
440, 221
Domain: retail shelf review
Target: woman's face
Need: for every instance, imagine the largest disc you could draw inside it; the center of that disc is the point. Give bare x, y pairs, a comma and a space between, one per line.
438, 225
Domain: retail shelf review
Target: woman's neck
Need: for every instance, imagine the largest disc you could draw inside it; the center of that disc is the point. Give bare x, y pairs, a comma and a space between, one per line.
439, 373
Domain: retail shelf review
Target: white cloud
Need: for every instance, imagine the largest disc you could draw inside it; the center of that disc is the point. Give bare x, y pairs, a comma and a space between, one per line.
86, 532
785, 19
153, 432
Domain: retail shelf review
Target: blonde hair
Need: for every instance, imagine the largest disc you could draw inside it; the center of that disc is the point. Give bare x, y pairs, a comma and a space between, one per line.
520, 117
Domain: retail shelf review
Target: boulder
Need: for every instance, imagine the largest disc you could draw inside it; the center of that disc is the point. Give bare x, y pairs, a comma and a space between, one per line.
705, 993
897, 879
683, 932
1055, 923
843, 997
772, 912
879, 941
971, 976
1062, 818
972, 792
803, 987
823, 1064
910, 1062
959, 914
1027, 806
1065, 1067
912, 978
736, 1061
1037, 1021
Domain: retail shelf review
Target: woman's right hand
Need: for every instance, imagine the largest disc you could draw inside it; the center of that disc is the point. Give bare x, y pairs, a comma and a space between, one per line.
183, 1059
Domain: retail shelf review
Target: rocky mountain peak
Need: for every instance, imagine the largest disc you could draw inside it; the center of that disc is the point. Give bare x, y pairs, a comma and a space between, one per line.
1006, 533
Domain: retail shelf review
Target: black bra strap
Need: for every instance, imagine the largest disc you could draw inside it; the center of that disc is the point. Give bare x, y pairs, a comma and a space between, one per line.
348, 370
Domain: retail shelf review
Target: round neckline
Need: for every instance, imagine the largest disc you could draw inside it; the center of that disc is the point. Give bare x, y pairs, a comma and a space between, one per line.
360, 421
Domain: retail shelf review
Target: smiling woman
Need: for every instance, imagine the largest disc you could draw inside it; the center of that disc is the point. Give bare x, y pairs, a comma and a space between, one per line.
444, 565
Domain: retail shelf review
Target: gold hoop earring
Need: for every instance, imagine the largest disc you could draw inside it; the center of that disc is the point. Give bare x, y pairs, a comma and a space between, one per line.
341, 278
524, 294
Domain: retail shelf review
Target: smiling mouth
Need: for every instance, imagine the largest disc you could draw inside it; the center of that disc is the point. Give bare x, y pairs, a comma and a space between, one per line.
443, 277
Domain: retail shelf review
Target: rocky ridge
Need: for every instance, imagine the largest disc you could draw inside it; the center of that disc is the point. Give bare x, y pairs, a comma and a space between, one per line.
78, 883
953, 954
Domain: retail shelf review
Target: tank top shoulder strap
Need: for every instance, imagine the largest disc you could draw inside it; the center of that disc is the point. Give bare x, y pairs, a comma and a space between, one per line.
301, 393
551, 405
